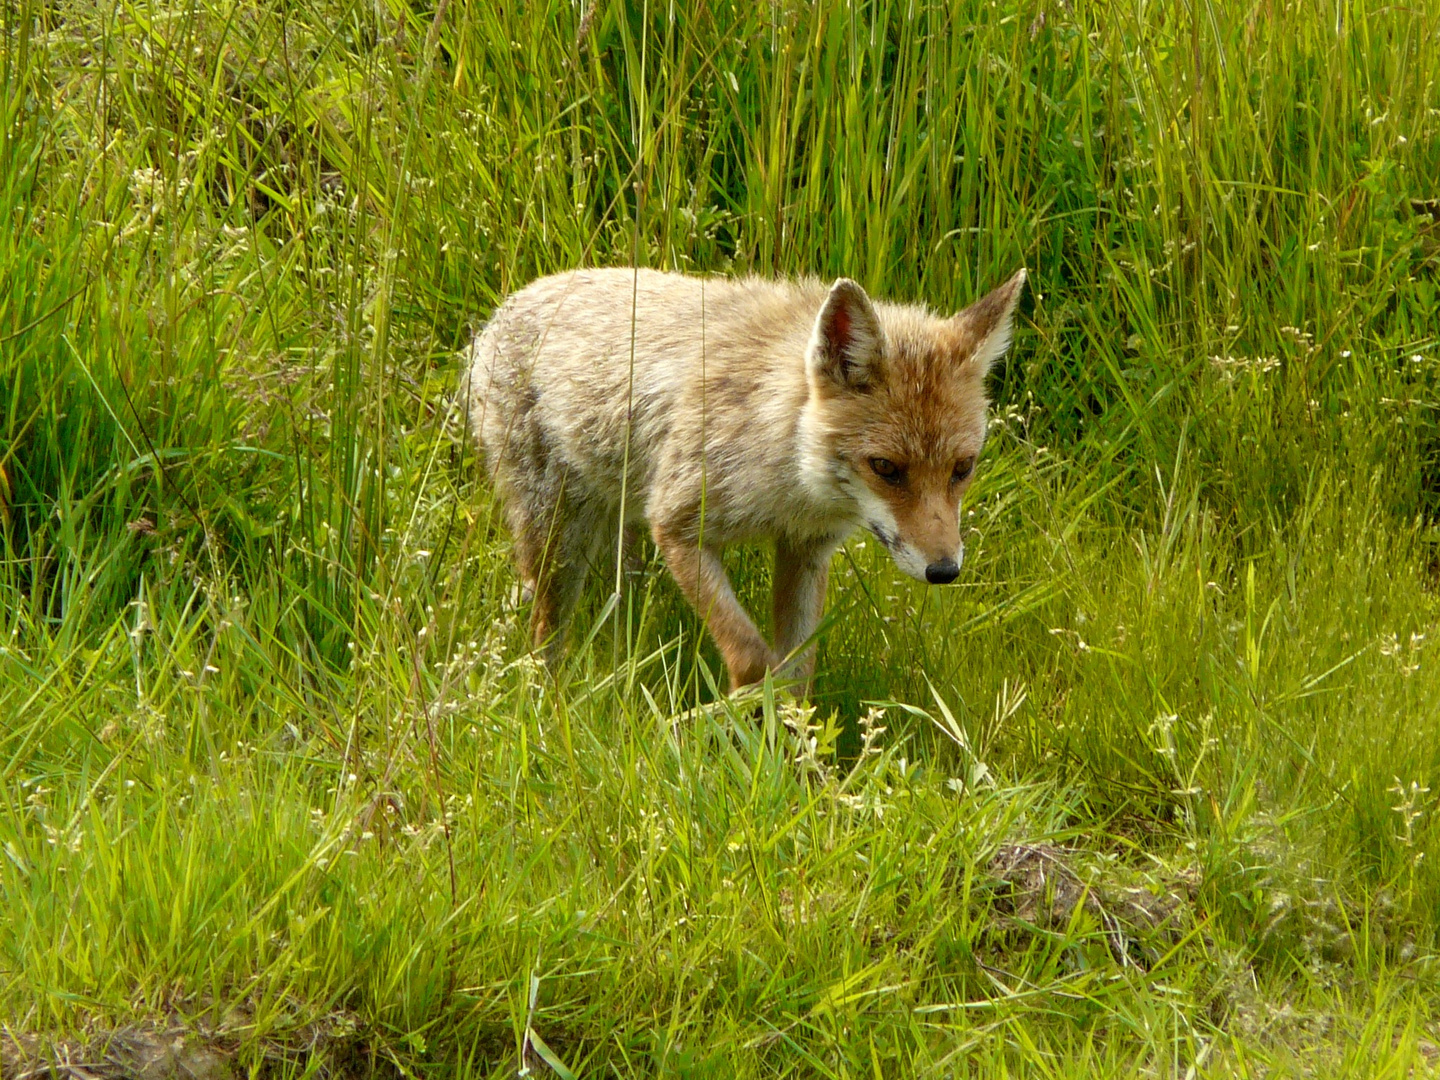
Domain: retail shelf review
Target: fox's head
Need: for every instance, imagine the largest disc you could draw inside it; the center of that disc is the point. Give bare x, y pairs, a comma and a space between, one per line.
896, 415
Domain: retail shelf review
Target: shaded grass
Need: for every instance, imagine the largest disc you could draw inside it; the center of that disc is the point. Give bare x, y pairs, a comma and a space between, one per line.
273, 750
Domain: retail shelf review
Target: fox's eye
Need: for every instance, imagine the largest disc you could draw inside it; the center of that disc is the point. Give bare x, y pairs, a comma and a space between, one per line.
887, 469
962, 471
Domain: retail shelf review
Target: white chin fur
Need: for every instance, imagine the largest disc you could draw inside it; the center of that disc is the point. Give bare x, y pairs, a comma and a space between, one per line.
908, 560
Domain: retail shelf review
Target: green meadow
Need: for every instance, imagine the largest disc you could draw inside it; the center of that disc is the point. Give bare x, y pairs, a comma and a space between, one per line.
1150, 792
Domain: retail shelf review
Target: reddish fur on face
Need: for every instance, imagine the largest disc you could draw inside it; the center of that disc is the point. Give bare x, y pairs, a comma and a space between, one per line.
926, 414
921, 408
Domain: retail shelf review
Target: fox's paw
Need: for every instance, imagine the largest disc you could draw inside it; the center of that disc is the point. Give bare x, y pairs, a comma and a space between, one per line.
750, 667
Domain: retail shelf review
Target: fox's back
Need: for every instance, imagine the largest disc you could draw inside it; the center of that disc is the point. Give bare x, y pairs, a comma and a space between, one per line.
572, 361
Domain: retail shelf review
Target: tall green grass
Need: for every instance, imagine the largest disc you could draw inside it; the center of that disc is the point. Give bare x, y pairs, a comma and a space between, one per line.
1153, 792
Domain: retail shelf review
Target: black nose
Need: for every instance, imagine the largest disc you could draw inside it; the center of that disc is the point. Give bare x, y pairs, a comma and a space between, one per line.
942, 572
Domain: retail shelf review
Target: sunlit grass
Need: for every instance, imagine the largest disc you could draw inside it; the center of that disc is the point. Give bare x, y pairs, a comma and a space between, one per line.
1154, 785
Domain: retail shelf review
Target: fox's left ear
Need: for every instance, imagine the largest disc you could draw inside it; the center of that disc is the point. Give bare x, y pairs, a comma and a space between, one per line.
988, 323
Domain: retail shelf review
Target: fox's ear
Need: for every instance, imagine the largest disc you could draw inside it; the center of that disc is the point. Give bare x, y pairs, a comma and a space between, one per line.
989, 322
847, 344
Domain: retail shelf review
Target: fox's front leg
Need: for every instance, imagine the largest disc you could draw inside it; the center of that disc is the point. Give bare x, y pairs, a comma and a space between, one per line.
802, 567
701, 576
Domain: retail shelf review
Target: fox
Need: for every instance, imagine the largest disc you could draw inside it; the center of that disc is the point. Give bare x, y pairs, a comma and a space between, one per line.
716, 411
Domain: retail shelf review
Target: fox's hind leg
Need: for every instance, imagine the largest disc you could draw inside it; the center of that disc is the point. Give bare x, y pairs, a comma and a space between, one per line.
555, 551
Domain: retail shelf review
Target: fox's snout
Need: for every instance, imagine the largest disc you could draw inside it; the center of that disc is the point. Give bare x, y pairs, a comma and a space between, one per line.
921, 529
929, 568
930, 555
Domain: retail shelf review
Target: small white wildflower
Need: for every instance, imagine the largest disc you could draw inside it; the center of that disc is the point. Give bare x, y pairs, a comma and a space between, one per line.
1408, 807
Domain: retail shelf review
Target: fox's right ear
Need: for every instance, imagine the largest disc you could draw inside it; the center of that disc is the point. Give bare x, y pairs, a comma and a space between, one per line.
989, 322
847, 343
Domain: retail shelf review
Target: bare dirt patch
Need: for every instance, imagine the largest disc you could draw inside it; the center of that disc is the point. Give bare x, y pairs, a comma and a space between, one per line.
336, 1047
